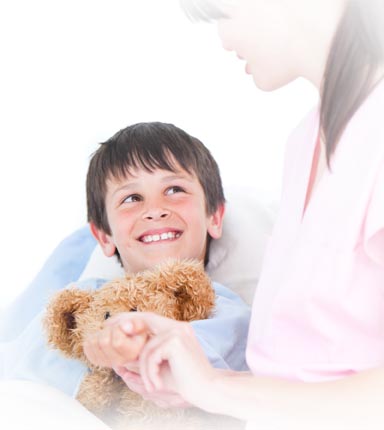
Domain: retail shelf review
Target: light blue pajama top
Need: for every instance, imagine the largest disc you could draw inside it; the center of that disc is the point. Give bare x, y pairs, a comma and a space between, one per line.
24, 353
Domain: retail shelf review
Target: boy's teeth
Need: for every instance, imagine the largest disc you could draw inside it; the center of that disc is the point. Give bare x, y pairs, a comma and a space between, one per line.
162, 236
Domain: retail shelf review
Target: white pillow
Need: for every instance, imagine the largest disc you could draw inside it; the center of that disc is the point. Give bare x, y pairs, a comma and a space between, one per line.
235, 259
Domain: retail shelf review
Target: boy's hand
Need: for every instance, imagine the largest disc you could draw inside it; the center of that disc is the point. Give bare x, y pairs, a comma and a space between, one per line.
163, 399
112, 347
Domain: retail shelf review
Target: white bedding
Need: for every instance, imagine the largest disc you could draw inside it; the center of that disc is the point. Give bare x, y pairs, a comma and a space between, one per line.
27, 405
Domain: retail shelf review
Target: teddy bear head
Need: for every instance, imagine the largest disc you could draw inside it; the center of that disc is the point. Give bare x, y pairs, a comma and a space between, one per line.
175, 289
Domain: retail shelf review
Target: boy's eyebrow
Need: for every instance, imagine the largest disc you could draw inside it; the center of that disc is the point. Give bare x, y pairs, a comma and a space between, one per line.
177, 176
169, 178
129, 186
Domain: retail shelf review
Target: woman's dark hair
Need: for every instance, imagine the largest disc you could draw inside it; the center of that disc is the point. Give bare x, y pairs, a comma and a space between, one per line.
356, 54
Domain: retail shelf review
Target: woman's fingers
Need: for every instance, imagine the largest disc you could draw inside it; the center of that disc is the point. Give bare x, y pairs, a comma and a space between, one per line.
152, 356
175, 361
157, 354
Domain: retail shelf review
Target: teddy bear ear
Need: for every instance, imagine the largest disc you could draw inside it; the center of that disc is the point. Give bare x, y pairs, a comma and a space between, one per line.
60, 320
193, 296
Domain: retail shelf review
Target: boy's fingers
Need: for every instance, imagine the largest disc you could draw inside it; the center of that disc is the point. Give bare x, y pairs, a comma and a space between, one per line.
130, 322
125, 348
94, 352
133, 367
119, 370
136, 324
119, 350
139, 322
100, 347
131, 376
134, 377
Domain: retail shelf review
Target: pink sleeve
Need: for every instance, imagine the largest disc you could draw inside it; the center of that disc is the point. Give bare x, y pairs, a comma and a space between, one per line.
374, 224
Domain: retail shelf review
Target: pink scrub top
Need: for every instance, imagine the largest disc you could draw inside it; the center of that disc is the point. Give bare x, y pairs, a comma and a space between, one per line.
318, 311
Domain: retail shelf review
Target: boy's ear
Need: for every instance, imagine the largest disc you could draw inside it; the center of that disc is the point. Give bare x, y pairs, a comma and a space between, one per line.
215, 222
105, 240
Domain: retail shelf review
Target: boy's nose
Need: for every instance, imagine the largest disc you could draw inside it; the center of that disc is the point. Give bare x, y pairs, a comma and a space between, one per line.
156, 214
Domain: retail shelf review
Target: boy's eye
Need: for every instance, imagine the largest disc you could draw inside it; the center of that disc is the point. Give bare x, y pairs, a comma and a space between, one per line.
174, 189
132, 198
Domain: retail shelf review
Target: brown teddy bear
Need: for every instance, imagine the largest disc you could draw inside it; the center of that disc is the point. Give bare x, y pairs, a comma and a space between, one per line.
176, 289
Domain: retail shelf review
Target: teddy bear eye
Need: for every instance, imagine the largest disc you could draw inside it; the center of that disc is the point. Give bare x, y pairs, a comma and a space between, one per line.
107, 315
133, 310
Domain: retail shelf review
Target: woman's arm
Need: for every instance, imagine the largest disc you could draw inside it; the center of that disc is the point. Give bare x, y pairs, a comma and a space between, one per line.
354, 402
173, 359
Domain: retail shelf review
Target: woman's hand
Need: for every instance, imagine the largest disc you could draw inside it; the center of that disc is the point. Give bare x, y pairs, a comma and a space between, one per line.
172, 360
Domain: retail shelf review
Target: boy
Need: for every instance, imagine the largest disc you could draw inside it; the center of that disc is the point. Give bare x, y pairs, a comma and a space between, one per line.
153, 192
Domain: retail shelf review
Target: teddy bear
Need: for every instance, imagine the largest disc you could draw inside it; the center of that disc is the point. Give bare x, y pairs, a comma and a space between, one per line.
178, 289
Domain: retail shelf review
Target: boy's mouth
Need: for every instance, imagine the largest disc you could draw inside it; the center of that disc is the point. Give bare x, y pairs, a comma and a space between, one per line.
157, 237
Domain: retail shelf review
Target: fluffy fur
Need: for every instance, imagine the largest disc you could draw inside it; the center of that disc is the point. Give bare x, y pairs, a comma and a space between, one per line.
176, 289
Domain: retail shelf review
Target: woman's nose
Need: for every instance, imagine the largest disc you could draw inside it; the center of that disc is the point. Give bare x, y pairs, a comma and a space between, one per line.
223, 30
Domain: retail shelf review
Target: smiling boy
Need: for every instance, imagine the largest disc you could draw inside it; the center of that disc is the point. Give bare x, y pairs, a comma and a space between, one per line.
153, 192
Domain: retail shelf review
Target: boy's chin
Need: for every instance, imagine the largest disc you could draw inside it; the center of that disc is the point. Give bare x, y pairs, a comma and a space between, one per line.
152, 262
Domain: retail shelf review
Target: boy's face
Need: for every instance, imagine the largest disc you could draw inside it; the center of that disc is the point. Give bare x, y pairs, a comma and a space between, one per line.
157, 215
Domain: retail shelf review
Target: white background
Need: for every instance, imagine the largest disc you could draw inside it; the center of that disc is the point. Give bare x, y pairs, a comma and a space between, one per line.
73, 72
